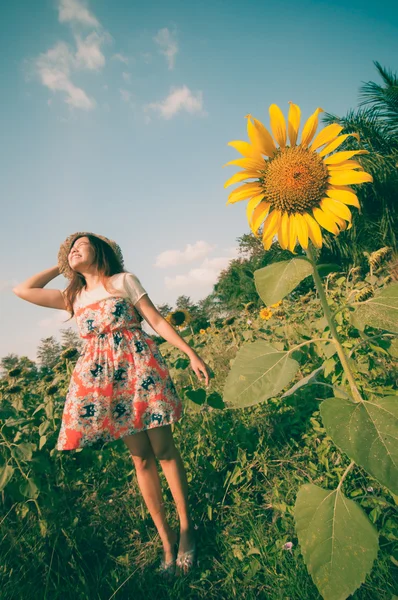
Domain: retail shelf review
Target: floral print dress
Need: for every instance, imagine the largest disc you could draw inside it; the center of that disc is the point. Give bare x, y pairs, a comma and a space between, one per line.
120, 384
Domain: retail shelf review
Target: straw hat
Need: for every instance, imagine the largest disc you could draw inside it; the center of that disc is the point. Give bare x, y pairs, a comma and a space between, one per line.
65, 247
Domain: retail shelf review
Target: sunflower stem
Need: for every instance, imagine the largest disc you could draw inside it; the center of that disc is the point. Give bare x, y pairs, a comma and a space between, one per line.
327, 312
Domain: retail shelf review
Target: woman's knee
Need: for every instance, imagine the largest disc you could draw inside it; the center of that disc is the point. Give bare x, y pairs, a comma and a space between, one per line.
140, 450
162, 442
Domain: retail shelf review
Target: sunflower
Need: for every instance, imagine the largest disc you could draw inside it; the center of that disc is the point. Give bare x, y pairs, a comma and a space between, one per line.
298, 188
179, 318
265, 313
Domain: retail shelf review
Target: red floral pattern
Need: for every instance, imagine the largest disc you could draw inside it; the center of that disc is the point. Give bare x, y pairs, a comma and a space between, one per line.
120, 384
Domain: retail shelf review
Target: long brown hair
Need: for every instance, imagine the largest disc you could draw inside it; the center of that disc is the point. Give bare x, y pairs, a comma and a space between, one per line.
107, 263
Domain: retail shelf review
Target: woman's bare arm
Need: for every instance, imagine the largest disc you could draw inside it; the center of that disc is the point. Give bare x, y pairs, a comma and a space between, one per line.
32, 290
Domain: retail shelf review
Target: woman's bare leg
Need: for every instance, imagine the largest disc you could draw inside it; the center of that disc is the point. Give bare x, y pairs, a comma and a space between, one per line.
149, 483
162, 442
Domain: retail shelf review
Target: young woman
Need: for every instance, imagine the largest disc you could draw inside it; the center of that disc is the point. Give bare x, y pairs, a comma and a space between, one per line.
120, 386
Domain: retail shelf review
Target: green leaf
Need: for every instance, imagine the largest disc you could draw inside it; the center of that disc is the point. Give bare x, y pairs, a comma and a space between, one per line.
302, 382
28, 488
276, 281
325, 269
215, 400
380, 312
259, 372
197, 396
338, 542
368, 433
181, 363
6, 472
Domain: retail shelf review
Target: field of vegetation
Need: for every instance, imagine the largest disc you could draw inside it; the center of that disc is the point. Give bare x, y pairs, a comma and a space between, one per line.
74, 525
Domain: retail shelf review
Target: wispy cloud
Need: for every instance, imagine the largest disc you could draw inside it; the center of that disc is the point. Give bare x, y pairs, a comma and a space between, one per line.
191, 252
76, 11
179, 99
121, 57
89, 54
126, 76
203, 276
168, 45
54, 67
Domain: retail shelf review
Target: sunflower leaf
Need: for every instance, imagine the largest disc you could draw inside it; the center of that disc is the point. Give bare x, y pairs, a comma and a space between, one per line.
380, 311
277, 280
368, 433
258, 372
338, 542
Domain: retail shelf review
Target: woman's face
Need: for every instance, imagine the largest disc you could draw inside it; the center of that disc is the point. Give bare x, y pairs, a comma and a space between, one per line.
81, 255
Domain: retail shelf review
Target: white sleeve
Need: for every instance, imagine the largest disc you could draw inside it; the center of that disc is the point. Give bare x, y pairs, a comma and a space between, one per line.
133, 287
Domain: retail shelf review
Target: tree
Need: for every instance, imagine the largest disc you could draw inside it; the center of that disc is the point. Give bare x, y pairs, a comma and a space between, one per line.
71, 339
376, 121
164, 309
48, 352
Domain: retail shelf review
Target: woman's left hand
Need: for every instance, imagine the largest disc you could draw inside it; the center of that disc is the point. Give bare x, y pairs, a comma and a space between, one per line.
201, 368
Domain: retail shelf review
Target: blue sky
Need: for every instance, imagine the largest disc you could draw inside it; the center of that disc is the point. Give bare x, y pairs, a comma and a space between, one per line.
115, 119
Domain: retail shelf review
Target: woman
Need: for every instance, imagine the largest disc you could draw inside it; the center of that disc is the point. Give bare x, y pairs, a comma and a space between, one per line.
120, 386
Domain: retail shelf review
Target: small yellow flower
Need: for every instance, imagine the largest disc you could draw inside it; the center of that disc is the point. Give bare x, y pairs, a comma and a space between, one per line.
276, 304
202, 331
265, 313
208, 329
300, 187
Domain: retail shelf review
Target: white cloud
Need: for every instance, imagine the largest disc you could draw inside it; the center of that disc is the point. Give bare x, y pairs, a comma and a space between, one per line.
171, 258
121, 57
203, 276
179, 99
54, 68
168, 45
89, 54
126, 95
126, 76
75, 11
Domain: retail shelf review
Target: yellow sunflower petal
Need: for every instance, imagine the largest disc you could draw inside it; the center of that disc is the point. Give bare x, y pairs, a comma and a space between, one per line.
302, 230
336, 143
271, 224
251, 205
336, 207
310, 128
246, 149
340, 157
267, 242
260, 137
326, 135
292, 233
342, 224
293, 123
326, 220
243, 192
345, 166
241, 176
247, 163
314, 231
259, 216
278, 124
349, 177
343, 194
283, 231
